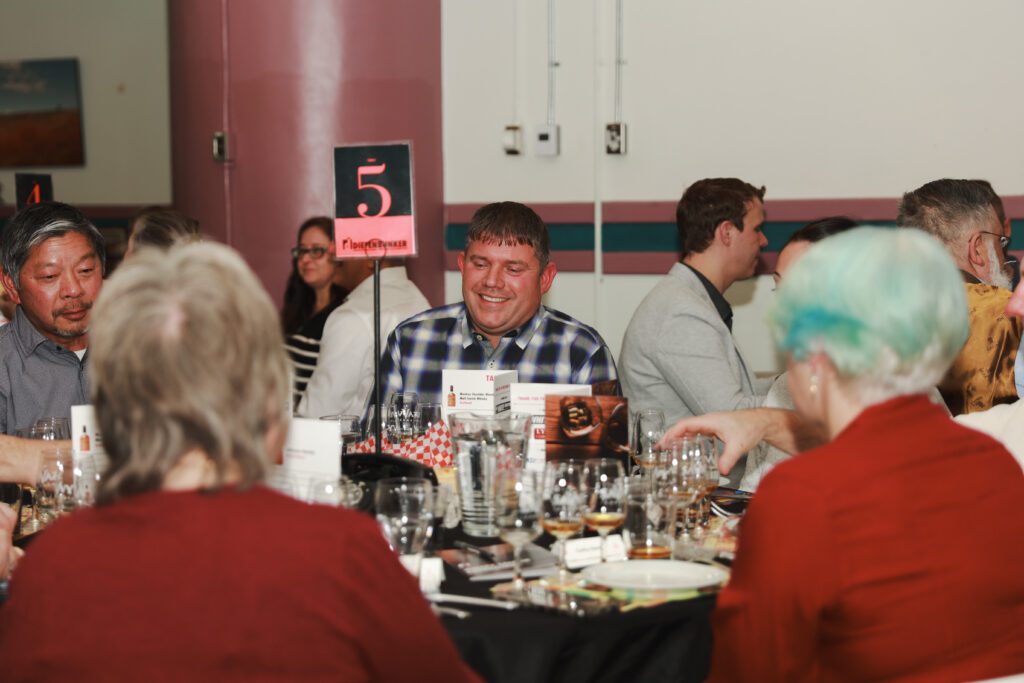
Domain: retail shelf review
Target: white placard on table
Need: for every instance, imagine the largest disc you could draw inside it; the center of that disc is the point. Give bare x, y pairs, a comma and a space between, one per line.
528, 397
583, 552
86, 440
312, 452
485, 392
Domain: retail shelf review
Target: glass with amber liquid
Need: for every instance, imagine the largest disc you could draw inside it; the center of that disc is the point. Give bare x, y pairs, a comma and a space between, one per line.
604, 488
649, 527
563, 507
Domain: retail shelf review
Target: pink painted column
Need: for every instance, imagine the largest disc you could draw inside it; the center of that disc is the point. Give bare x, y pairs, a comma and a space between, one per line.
289, 81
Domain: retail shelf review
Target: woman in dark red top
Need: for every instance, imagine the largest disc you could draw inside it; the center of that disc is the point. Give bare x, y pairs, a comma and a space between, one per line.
896, 551
188, 569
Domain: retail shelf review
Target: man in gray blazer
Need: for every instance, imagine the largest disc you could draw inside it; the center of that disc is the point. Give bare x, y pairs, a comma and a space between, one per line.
679, 354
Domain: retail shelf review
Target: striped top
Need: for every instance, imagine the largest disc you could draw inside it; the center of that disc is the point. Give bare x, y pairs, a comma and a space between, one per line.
304, 348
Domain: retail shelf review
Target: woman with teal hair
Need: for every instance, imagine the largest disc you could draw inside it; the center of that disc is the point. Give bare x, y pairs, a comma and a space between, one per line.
881, 555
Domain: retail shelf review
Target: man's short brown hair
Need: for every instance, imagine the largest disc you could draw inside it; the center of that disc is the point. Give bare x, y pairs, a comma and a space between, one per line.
510, 223
706, 204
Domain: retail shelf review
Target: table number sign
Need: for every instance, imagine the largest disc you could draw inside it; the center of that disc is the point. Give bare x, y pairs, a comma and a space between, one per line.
373, 201
32, 188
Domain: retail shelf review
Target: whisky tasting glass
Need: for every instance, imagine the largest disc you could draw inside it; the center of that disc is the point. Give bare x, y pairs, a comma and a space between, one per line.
604, 487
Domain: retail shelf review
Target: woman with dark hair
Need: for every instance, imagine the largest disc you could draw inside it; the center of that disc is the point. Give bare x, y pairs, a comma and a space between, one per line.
309, 298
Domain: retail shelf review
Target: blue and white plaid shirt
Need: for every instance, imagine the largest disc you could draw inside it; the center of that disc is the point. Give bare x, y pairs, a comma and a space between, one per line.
551, 348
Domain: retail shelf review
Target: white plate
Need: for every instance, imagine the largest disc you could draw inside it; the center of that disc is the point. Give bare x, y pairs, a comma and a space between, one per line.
654, 575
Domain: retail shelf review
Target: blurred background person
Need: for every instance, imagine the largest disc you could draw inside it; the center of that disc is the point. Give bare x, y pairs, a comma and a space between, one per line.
157, 226
188, 568
881, 554
313, 292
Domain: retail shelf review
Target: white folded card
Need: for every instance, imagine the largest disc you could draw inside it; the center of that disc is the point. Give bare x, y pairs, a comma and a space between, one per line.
583, 552
529, 397
86, 440
312, 452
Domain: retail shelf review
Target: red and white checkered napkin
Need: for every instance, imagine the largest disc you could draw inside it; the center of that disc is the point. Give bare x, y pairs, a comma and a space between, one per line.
433, 449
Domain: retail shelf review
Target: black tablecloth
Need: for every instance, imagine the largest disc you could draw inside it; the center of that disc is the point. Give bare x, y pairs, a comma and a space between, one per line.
671, 642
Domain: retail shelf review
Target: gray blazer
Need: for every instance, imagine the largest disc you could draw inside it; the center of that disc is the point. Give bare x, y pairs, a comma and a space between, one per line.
679, 356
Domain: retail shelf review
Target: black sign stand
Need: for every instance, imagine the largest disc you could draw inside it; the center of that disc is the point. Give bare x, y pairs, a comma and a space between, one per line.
376, 357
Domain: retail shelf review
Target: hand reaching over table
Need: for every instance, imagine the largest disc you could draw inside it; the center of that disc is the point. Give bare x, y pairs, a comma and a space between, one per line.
742, 430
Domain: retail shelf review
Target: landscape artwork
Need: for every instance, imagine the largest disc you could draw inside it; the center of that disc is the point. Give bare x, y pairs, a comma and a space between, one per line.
40, 113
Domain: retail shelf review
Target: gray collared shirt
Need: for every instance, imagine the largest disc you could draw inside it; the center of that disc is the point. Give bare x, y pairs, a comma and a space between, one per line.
37, 377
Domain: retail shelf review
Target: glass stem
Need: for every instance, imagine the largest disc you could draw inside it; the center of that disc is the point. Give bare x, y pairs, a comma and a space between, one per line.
603, 535
517, 570
563, 571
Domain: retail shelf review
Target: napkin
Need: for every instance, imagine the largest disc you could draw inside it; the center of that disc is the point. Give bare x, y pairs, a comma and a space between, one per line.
433, 449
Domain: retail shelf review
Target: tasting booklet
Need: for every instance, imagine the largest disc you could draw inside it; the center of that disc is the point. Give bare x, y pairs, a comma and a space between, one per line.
530, 398
586, 427
86, 440
537, 561
312, 452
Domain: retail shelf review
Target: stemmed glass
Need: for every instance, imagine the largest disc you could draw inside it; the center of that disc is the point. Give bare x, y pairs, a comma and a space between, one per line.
648, 428
604, 487
701, 450
517, 502
563, 506
679, 475
405, 512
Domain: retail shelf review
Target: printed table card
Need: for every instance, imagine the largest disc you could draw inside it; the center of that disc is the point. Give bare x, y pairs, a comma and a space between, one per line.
529, 397
485, 392
311, 453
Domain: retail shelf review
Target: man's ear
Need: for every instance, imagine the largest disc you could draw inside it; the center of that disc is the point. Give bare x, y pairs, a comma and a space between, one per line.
461, 260
724, 232
977, 255
547, 276
8, 283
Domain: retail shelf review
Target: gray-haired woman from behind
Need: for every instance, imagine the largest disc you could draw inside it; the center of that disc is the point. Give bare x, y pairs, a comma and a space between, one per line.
189, 568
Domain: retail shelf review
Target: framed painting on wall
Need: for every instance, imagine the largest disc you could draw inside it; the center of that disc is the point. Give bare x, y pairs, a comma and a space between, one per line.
41, 113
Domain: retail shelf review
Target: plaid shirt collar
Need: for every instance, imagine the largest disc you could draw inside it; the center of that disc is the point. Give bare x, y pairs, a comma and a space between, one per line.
522, 335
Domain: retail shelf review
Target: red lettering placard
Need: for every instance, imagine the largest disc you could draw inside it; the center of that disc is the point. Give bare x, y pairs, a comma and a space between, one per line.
373, 201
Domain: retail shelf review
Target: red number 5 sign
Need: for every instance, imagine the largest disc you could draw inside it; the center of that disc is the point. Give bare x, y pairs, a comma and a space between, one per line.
373, 201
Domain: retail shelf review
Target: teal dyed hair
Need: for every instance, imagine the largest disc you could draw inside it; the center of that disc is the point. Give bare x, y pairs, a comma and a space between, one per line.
886, 306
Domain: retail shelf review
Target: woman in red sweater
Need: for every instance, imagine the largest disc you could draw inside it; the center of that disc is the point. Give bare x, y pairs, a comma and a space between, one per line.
188, 569
893, 552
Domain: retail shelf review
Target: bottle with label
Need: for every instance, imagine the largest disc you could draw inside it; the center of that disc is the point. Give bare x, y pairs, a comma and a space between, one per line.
451, 396
83, 441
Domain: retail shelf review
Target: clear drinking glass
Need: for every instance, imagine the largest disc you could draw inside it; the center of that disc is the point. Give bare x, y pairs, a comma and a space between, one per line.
518, 495
336, 491
403, 417
405, 512
484, 446
350, 430
603, 483
679, 474
430, 415
702, 450
50, 488
563, 505
649, 528
648, 428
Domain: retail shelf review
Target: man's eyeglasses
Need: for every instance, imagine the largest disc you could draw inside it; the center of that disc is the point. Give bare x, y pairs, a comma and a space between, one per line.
316, 252
1004, 241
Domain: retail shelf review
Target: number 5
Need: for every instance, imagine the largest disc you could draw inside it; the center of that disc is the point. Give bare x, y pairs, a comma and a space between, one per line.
385, 196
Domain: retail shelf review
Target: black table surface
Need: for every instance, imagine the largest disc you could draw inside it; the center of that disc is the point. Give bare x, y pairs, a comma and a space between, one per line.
671, 642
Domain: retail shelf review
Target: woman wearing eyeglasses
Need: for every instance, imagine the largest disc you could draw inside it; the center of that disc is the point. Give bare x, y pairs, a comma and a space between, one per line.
310, 297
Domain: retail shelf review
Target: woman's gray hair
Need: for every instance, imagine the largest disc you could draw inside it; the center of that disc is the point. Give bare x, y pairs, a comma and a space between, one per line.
185, 354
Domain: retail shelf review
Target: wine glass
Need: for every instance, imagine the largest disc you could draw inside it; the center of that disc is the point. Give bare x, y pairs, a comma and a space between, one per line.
405, 512
403, 417
679, 474
517, 502
563, 506
604, 488
648, 428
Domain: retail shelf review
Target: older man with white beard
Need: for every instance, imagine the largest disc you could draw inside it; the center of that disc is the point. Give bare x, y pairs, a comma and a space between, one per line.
963, 214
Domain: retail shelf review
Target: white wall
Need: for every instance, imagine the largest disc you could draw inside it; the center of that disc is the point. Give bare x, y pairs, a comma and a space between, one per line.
813, 98
121, 46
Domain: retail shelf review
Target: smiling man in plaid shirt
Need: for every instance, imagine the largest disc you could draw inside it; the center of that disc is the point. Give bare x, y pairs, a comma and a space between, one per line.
501, 323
